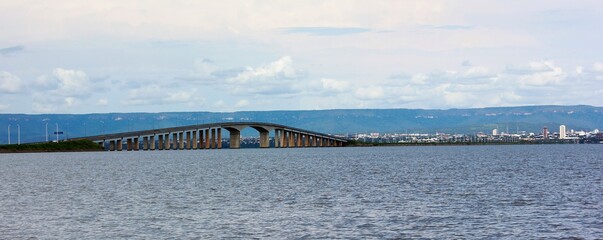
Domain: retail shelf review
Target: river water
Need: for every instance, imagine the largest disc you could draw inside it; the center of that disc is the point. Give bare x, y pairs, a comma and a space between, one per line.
543, 191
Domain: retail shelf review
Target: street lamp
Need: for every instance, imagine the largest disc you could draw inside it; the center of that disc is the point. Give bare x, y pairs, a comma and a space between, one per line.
46, 132
57, 132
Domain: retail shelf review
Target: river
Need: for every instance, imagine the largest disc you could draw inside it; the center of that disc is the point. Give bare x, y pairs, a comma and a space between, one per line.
527, 191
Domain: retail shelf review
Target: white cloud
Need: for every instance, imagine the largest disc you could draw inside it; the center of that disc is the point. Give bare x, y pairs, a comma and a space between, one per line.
102, 102
9, 83
3, 107
178, 97
157, 95
598, 67
478, 72
242, 103
334, 85
70, 101
372, 92
275, 72
276, 78
72, 82
539, 73
63, 90
219, 104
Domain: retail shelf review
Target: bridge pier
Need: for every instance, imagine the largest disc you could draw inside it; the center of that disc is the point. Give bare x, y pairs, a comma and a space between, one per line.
264, 139
120, 145
152, 142
160, 143
181, 140
194, 139
174, 141
201, 139
277, 138
285, 137
168, 145
213, 138
219, 137
112, 145
145, 143
207, 139
129, 144
235, 138
299, 138
136, 144
187, 146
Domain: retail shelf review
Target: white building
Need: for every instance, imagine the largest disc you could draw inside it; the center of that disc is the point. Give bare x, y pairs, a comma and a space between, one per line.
495, 132
562, 132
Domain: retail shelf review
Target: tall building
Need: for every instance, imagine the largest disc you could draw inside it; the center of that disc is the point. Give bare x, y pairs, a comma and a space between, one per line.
562, 132
545, 133
495, 132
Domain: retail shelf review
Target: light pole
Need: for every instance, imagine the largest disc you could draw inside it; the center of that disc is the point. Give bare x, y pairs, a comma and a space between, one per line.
18, 134
57, 132
8, 133
46, 132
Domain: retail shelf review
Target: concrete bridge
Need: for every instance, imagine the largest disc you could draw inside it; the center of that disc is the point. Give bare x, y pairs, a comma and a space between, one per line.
209, 136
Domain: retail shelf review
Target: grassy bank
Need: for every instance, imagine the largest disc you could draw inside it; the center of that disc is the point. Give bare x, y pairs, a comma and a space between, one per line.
65, 146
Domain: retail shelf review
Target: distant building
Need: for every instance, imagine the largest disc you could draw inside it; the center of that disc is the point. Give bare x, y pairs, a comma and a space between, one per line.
495, 131
545, 133
562, 132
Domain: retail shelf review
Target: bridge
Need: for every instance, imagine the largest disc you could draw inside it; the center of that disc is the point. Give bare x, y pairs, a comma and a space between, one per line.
209, 136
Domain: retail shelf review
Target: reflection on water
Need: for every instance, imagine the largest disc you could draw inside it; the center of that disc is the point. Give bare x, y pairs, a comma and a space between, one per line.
548, 191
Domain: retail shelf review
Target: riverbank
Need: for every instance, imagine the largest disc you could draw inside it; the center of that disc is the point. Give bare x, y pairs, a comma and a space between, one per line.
65, 146
354, 143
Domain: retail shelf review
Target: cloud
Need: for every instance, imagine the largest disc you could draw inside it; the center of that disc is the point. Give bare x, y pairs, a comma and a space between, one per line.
334, 85
276, 78
478, 73
67, 83
9, 83
155, 94
64, 90
325, 31
102, 102
372, 92
9, 51
538, 73
242, 103
598, 67
448, 27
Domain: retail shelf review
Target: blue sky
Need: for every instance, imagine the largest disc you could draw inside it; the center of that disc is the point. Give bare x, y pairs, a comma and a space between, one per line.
129, 56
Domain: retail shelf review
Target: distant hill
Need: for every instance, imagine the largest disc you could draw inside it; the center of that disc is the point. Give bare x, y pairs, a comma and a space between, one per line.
527, 118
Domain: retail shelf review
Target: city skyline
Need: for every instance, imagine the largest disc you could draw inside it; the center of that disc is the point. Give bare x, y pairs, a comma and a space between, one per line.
120, 56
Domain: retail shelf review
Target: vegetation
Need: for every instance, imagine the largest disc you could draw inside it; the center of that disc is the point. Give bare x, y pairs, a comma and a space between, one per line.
65, 146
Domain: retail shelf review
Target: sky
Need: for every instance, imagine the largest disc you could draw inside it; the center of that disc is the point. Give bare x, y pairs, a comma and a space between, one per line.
76, 56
